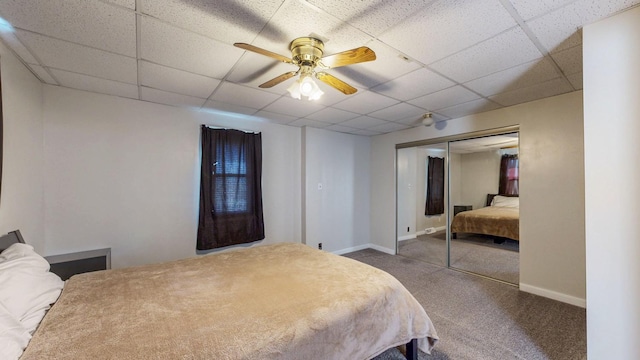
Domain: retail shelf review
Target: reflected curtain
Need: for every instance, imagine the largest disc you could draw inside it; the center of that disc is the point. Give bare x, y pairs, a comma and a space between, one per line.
435, 186
230, 189
509, 175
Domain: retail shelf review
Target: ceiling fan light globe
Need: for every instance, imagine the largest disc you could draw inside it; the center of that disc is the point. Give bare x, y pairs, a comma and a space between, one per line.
316, 94
294, 90
307, 86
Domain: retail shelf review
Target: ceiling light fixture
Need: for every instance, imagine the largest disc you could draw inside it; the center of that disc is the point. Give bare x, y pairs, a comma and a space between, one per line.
427, 119
305, 86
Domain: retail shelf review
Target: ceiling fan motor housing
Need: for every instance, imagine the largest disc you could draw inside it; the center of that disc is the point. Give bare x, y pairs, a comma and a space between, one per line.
306, 51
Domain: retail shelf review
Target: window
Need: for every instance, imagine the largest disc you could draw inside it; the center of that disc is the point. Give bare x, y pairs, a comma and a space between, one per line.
509, 175
230, 188
230, 173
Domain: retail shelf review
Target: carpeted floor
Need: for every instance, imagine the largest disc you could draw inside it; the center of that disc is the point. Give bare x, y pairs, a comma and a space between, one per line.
477, 318
470, 252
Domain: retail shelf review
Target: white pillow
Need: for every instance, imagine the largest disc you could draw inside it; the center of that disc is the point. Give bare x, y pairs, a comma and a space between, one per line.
27, 288
506, 201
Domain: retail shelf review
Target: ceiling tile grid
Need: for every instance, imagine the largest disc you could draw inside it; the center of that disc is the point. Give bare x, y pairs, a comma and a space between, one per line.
451, 57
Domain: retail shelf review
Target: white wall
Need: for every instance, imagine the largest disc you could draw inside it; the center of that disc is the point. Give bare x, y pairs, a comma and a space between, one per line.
124, 174
480, 174
21, 202
552, 255
612, 145
337, 214
407, 193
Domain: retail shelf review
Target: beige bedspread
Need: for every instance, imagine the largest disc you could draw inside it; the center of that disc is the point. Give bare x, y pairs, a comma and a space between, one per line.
283, 301
491, 220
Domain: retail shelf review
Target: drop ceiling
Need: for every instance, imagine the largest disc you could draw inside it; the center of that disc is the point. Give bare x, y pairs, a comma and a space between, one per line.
449, 57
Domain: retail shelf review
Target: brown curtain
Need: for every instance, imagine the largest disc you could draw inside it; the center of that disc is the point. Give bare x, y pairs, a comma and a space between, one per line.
230, 189
509, 175
435, 186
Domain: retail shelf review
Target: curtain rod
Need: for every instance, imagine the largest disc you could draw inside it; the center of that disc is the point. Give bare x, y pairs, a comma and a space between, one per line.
226, 128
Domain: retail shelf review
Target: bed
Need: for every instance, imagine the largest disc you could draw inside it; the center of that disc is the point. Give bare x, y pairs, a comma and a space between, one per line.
501, 218
280, 301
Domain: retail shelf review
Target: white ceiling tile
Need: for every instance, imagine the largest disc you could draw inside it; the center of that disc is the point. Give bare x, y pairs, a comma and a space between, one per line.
293, 107
558, 30
520, 76
576, 80
230, 108
276, 118
92, 23
93, 84
331, 96
570, 60
181, 49
244, 96
298, 18
363, 122
398, 112
176, 81
226, 21
342, 129
528, 9
332, 115
445, 98
412, 85
364, 132
9, 38
372, 17
165, 97
310, 123
538, 91
365, 102
501, 52
447, 27
389, 127
80, 59
130, 4
43, 74
468, 108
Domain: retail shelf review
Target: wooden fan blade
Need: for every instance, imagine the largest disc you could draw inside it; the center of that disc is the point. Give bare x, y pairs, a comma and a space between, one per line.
349, 57
262, 51
277, 80
336, 83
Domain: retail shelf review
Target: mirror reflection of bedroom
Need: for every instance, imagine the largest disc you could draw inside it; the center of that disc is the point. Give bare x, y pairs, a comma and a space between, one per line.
480, 178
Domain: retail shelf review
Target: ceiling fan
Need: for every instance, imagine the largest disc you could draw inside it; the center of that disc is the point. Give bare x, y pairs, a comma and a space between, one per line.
306, 53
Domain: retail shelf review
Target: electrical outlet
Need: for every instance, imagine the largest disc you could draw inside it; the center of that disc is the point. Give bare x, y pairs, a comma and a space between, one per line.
408, 229
319, 246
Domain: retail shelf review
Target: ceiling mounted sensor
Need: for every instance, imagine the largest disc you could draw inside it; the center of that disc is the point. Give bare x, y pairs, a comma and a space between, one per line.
306, 53
427, 119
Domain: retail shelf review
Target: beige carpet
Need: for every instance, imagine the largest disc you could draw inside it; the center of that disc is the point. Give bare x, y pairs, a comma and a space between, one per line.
470, 252
477, 318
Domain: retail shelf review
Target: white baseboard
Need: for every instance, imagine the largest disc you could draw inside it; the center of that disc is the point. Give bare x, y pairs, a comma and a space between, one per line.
382, 249
408, 237
365, 246
554, 295
352, 249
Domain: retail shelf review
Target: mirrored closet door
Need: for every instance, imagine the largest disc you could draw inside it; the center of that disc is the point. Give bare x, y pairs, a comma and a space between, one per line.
422, 224
458, 204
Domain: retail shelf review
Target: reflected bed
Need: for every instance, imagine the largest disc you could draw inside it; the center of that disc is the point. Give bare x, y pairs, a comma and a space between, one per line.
501, 218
